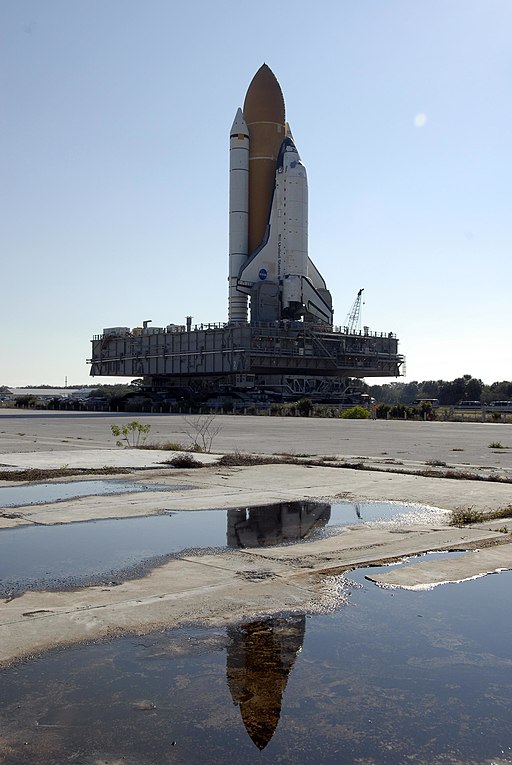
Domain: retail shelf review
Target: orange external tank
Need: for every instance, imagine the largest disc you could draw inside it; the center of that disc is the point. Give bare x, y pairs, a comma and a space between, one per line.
265, 118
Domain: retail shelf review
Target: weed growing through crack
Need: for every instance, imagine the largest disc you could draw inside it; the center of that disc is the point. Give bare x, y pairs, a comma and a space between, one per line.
39, 474
239, 459
132, 434
462, 516
165, 446
184, 461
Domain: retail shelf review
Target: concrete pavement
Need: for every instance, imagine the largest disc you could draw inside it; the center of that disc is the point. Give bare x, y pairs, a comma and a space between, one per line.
245, 583
465, 443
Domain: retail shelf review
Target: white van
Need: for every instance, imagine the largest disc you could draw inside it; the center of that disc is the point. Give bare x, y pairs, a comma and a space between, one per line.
433, 402
500, 406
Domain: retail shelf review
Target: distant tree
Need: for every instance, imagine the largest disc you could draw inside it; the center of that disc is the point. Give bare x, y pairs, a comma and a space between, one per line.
25, 402
355, 413
449, 392
389, 393
398, 411
110, 391
410, 393
474, 388
382, 411
499, 391
455, 391
375, 391
430, 388
305, 407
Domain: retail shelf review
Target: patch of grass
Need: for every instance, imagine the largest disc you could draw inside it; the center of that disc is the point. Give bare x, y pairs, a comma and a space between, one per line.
39, 474
462, 516
165, 446
462, 475
436, 463
496, 445
357, 466
292, 454
239, 459
457, 450
184, 461
172, 446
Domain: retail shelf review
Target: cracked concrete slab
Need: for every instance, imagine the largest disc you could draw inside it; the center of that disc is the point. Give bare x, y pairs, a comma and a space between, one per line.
215, 487
96, 458
212, 589
428, 573
235, 584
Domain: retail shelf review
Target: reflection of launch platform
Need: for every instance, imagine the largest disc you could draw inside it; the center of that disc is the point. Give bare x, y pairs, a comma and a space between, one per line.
279, 523
280, 334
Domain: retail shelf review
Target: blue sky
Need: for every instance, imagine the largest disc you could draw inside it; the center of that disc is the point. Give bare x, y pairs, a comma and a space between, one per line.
114, 132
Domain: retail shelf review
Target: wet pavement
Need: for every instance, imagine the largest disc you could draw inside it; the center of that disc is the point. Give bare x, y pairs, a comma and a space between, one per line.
389, 677
66, 556
44, 493
260, 651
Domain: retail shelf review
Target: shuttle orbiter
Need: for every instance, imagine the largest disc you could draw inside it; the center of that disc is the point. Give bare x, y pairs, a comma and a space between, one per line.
268, 216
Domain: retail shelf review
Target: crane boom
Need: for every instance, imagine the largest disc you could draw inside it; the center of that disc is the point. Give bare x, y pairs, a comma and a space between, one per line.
353, 320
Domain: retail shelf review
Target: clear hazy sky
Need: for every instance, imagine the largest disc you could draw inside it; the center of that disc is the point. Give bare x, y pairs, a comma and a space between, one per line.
114, 133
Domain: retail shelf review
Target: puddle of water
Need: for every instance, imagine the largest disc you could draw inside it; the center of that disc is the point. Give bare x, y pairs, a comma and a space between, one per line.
43, 493
351, 513
103, 551
393, 677
76, 554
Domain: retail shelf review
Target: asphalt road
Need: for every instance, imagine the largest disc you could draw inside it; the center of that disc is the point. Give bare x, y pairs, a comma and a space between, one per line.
462, 443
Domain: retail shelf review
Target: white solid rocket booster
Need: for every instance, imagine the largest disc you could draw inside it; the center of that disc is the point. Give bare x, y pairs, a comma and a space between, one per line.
238, 215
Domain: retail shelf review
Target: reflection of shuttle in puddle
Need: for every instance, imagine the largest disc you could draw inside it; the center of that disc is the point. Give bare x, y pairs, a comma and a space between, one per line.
260, 657
267, 525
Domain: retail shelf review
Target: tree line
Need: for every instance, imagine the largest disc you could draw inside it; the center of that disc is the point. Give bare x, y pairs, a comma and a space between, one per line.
449, 393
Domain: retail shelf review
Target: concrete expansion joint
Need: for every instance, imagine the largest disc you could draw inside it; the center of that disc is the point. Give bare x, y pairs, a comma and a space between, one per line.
149, 600
208, 564
23, 619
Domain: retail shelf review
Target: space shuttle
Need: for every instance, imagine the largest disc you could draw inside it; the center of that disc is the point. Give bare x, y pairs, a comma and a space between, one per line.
270, 272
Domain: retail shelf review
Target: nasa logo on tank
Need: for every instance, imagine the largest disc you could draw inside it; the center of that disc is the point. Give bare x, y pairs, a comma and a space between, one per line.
263, 274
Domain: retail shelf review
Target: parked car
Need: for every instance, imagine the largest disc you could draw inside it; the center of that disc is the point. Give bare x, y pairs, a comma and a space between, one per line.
500, 406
